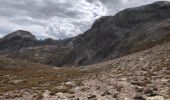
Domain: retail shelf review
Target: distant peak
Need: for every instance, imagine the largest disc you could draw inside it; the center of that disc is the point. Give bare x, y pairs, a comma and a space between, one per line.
21, 34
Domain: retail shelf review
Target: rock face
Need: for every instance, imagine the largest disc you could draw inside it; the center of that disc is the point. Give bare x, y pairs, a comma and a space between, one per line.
50, 54
110, 37
17, 40
130, 30
23, 45
20, 34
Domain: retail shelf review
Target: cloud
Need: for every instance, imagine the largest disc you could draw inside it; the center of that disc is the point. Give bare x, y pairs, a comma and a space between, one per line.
57, 19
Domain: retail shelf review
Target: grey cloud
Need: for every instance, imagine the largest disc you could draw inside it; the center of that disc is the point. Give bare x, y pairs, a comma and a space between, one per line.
42, 9
57, 18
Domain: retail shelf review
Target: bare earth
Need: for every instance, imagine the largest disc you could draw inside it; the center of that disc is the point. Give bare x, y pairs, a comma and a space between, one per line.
140, 76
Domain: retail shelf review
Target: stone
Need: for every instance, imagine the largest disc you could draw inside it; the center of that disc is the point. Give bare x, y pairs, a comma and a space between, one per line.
148, 91
18, 81
106, 93
92, 97
155, 98
70, 84
138, 97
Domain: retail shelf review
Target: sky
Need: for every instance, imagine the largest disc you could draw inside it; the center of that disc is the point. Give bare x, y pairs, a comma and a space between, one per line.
58, 19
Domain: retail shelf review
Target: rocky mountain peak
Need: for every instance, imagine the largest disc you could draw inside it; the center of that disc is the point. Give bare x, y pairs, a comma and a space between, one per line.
16, 40
19, 34
128, 31
110, 37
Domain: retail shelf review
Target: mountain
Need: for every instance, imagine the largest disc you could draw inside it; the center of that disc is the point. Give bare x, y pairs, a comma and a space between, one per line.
23, 45
110, 37
17, 40
144, 75
128, 31
136, 39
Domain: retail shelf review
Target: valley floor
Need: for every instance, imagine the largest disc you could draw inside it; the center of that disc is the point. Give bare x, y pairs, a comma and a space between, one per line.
143, 75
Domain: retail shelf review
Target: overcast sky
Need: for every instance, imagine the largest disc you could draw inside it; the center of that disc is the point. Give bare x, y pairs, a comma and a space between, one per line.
57, 19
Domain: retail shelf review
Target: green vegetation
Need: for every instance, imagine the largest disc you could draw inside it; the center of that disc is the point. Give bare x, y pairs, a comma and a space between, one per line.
17, 74
34, 75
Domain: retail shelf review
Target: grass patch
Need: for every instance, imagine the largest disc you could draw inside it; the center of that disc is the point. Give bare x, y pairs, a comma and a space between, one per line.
36, 75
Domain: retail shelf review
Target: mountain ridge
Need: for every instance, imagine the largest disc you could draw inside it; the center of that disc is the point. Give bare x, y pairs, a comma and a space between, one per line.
114, 35
143, 75
110, 37
122, 57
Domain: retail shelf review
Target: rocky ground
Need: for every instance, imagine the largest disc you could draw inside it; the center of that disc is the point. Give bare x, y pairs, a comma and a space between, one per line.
143, 75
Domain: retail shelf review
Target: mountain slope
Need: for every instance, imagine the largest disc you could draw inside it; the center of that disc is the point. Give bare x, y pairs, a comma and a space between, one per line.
17, 40
110, 37
23, 45
130, 30
144, 75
